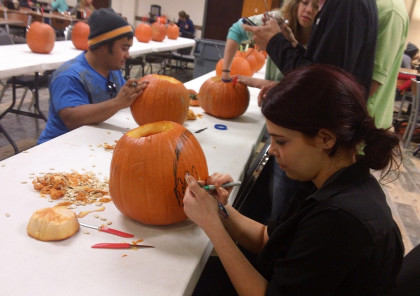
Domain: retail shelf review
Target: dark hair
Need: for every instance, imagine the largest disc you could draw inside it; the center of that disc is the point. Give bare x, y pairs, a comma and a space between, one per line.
322, 96
183, 14
411, 50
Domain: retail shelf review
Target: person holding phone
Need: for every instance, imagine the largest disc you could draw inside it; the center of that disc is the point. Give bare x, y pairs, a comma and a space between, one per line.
300, 16
341, 238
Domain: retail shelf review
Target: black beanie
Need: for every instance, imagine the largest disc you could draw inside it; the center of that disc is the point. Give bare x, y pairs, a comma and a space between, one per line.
105, 25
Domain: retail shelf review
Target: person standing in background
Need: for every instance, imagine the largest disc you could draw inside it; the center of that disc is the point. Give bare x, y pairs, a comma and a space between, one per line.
392, 34
344, 35
300, 15
86, 7
59, 5
185, 24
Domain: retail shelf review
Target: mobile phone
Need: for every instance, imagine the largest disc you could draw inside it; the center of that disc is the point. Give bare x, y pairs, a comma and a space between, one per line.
247, 21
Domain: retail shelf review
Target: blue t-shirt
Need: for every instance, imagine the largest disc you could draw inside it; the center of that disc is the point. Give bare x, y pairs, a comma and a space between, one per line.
73, 84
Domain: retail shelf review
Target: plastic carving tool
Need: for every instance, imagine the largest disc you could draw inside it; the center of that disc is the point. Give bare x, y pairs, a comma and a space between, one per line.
108, 230
118, 246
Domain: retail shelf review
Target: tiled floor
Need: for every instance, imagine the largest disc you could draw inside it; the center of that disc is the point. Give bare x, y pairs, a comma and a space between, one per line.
403, 193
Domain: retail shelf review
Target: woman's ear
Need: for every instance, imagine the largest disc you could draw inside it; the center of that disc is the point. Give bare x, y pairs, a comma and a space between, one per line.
326, 139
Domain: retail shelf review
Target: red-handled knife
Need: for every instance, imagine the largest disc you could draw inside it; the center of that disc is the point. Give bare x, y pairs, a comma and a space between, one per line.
109, 230
119, 246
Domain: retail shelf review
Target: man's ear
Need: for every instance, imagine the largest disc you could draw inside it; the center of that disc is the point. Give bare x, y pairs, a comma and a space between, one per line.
326, 139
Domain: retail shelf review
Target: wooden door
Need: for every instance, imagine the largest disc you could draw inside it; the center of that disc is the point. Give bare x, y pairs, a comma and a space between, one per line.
254, 7
101, 3
219, 16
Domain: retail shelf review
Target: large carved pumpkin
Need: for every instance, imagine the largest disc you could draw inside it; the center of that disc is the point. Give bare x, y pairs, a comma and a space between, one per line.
143, 33
79, 35
240, 66
158, 32
165, 98
40, 37
223, 99
148, 168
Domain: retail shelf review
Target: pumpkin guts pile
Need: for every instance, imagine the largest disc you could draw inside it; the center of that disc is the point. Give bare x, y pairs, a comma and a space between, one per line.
72, 188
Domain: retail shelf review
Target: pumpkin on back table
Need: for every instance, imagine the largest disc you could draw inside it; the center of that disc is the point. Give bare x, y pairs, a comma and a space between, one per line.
223, 99
143, 33
158, 32
148, 168
164, 98
240, 66
172, 31
79, 35
40, 37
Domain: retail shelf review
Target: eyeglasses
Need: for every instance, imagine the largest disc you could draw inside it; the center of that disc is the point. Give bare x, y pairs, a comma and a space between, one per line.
111, 88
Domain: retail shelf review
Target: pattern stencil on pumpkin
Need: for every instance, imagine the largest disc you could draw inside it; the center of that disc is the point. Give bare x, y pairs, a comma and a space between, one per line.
180, 183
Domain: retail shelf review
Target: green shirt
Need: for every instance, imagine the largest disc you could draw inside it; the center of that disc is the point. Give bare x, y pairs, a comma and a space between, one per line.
392, 34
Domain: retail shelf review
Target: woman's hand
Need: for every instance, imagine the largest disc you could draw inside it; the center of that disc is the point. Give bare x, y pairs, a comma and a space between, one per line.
221, 194
199, 206
263, 34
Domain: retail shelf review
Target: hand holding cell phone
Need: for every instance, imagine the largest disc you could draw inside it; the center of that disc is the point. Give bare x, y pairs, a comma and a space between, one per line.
247, 21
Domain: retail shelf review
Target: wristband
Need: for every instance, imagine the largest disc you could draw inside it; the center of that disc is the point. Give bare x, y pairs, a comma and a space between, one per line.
226, 80
226, 70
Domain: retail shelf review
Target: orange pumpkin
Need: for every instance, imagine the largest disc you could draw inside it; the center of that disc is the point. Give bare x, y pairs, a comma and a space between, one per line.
40, 37
172, 31
158, 32
79, 35
252, 60
240, 66
260, 59
164, 98
162, 19
143, 33
148, 167
223, 99
193, 97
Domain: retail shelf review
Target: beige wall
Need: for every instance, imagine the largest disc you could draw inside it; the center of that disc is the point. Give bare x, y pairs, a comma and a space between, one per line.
414, 30
131, 8
195, 8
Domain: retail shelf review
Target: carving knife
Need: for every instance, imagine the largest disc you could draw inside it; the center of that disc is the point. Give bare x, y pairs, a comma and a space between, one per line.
108, 230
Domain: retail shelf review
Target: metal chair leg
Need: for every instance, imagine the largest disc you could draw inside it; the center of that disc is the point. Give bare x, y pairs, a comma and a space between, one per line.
4, 132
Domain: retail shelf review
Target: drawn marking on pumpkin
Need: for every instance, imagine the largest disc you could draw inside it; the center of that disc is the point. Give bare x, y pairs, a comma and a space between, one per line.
180, 183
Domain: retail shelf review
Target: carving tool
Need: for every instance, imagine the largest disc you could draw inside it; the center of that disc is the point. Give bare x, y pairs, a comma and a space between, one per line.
108, 230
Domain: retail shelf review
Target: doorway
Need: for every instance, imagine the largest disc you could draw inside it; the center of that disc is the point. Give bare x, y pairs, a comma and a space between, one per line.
219, 16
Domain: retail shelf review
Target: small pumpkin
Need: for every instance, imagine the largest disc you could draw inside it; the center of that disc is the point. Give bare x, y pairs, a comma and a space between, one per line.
223, 99
148, 167
162, 19
40, 37
260, 59
143, 33
164, 98
172, 31
193, 97
158, 32
252, 60
240, 66
79, 35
